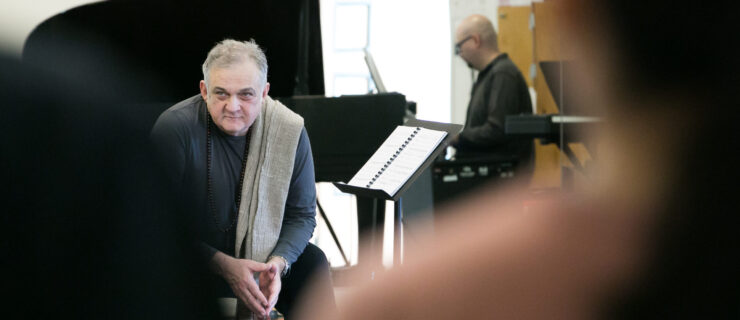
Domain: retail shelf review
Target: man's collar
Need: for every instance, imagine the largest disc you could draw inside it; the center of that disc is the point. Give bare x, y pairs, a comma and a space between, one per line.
498, 58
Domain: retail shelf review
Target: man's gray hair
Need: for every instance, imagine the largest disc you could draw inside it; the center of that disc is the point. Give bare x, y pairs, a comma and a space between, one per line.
230, 52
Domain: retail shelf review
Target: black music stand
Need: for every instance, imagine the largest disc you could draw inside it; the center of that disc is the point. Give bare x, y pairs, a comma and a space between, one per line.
378, 196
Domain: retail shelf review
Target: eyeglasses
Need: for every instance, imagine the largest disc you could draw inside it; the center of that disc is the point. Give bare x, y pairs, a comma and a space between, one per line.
459, 44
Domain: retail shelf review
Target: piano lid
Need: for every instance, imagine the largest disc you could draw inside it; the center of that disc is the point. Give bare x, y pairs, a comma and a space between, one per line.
158, 47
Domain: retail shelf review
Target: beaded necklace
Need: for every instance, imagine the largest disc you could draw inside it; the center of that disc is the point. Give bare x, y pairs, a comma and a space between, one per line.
237, 196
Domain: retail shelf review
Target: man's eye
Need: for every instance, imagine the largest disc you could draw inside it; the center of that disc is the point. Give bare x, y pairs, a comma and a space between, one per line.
221, 94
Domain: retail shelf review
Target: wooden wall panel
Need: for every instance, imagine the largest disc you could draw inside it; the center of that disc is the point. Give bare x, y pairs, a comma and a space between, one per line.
547, 31
515, 37
549, 45
527, 46
546, 34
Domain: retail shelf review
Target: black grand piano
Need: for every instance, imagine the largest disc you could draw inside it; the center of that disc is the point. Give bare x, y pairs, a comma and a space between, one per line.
152, 52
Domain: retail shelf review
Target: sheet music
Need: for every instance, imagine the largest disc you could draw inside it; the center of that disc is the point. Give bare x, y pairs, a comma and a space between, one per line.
398, 158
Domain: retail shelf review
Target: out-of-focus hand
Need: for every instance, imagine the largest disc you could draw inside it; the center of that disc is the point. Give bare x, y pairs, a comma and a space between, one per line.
239, 274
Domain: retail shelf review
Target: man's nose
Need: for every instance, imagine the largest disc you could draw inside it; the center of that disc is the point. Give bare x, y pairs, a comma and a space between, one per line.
233, 104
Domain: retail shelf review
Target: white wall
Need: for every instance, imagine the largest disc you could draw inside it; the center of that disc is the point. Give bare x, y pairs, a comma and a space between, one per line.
462, 77
411, 51
19, 17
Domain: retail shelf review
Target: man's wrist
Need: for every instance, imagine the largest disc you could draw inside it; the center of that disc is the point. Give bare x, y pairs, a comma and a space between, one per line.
217, 262
282, 262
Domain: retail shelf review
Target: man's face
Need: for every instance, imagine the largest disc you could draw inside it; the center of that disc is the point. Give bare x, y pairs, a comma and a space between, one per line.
234, 97
463, 44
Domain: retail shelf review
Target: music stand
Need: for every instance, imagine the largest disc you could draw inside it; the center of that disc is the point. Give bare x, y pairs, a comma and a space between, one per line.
379, 195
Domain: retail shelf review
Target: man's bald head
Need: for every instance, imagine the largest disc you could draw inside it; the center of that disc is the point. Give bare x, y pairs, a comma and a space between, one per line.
480, 25
477, 41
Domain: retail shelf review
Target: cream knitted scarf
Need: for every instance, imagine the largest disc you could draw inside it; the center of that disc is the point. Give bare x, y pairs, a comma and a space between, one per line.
275, 135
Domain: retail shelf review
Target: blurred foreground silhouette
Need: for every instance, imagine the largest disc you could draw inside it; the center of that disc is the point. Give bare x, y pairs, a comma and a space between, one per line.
87, 226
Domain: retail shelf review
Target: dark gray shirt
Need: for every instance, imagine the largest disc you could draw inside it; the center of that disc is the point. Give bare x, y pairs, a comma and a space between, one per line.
180, 135
499, 90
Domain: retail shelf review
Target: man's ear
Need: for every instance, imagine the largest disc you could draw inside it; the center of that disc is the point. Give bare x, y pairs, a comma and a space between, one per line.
476, 39
203, 90
265, 90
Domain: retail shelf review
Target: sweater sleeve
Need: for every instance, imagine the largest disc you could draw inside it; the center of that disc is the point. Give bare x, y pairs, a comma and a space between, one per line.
169, 139
502, 100
299, 220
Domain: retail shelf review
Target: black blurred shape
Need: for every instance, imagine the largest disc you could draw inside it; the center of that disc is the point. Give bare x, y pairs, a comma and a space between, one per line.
88, 231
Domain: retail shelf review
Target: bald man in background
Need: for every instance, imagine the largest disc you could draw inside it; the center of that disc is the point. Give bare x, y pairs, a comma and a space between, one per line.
499, 90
